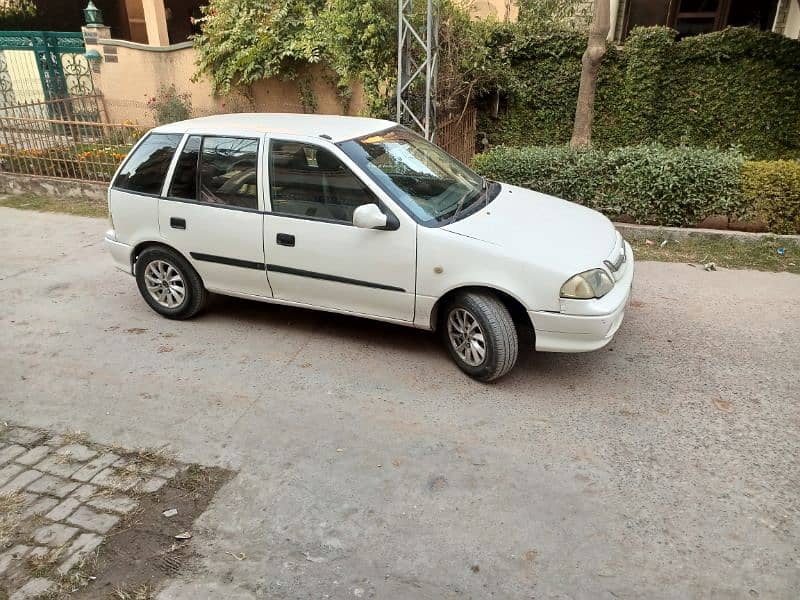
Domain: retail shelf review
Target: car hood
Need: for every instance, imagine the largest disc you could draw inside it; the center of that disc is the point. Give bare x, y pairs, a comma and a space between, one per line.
543, 229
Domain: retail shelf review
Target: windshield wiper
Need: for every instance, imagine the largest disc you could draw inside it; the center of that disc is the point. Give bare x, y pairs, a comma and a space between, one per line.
459, 205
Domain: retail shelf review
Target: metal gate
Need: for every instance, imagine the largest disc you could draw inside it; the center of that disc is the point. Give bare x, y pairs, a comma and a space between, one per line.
47, 68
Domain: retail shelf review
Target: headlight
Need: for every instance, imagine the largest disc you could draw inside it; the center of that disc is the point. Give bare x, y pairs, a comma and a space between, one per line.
594, 283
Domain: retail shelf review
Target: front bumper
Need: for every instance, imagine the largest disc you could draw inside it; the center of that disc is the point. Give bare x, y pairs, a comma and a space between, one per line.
121, 253
565, 332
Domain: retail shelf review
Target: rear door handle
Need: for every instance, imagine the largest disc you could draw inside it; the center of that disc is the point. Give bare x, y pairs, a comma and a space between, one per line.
284, 239
177, 223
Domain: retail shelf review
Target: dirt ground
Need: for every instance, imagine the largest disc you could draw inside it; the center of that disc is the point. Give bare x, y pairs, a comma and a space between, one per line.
664, 466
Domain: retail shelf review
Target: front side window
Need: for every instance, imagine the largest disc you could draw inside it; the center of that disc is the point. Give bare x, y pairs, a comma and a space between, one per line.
428, 182
147, 166
227, 172
309, 181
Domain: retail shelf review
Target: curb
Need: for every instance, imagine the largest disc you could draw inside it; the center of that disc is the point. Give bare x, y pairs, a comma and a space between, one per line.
658, 233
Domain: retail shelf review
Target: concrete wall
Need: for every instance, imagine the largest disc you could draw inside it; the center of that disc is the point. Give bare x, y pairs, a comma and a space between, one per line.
129, 74
53, 186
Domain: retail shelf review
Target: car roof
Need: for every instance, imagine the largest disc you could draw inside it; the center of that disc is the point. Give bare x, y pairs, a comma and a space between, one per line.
336, 127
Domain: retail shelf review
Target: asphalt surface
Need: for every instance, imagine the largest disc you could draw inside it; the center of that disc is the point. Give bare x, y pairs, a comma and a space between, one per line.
665, 466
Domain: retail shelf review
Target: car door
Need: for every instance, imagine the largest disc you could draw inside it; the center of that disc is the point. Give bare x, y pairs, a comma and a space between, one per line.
314, 253
211, 212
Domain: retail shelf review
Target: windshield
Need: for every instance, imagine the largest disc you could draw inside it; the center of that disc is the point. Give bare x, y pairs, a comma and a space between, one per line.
428, 182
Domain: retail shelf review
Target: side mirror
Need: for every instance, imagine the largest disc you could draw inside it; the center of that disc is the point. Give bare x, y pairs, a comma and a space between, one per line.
369, 216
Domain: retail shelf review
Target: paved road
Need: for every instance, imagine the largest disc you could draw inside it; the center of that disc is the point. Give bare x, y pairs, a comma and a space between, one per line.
665, 466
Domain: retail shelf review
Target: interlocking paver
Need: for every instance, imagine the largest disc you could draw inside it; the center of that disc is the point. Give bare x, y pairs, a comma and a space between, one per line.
33, 456
85, 492
112, 478
83, 544
8, 558
52, 486
11, 452
25, 436
54, 535
8, 472
151, 485
60, 465
39, 507
94, 466
20, 482
93, 521
35, 588
63, 510
118, 504
77, 452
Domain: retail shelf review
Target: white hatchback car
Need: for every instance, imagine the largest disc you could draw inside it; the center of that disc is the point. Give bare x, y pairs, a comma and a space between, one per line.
363, 217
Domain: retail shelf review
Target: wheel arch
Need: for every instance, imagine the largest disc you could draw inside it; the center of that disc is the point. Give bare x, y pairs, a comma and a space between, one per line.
143, 245
516, 308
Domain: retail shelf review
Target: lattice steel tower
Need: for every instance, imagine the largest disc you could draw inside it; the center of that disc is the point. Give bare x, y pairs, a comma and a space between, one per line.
417, 60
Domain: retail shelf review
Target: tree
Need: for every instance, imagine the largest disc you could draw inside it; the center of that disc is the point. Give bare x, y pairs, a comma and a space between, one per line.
595, 49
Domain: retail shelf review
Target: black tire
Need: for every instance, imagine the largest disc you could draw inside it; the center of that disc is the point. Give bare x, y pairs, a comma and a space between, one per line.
501, 342
195, 292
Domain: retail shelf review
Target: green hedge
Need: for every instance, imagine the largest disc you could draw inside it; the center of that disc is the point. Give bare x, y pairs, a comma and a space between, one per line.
655, 184
737, 87
772, 188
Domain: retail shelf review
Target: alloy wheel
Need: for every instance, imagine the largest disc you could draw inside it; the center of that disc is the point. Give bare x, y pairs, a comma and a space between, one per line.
466, 336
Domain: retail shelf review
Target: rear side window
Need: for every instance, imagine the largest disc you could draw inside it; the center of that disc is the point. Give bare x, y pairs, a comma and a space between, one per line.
146, 167
184, 181
228, 172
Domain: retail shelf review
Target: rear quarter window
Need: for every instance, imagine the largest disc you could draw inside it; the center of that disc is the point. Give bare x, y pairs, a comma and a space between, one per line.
146, 167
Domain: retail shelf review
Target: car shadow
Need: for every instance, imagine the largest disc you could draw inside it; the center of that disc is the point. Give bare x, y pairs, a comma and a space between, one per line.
417, 345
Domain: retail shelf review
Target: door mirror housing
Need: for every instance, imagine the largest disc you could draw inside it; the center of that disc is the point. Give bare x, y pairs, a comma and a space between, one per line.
369, 216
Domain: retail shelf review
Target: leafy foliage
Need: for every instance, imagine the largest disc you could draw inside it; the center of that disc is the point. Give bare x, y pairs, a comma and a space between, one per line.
168, 106
649, 184
248, 40
737, 87
773, 189
16, 13
245, 41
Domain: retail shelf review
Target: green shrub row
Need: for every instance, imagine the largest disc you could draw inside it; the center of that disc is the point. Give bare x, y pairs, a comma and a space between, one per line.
655, 184
738, 87
772, 188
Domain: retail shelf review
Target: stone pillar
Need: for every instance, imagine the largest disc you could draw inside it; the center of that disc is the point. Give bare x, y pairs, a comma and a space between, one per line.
155, 19
92, 35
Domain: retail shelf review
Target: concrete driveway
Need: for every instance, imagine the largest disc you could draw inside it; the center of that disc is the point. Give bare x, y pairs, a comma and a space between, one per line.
665, 466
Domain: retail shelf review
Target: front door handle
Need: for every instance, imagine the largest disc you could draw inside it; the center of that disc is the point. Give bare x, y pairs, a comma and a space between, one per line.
285, 239
177, 223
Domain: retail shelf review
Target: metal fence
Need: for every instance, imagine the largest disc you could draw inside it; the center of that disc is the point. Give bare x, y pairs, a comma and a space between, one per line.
457, 136
60, 138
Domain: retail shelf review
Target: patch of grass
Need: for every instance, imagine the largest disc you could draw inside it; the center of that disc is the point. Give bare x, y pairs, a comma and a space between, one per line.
10, 517
764, 255
143, 592
70, 206
75, 436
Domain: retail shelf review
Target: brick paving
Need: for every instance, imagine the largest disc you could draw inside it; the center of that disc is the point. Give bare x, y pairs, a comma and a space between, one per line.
72, 493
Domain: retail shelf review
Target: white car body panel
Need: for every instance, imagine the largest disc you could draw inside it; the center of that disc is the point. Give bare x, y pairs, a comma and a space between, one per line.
523, 244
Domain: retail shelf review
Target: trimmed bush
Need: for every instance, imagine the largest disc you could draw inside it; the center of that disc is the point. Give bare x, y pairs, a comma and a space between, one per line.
649, 184
737, 87
772, 188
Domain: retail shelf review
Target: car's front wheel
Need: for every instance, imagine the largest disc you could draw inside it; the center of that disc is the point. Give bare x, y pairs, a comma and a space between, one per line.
480, 335
169, 284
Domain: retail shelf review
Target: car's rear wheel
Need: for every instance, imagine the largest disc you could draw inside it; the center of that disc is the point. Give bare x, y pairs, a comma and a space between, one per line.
169, 284
480, 335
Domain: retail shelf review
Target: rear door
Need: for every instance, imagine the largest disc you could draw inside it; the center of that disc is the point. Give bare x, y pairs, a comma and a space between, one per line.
211, 212
315, 255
